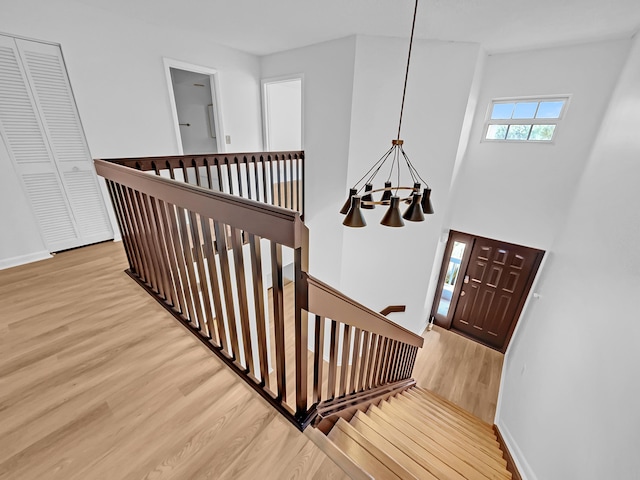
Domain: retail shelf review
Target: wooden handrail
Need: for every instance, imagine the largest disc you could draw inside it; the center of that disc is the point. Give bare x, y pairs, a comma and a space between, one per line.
328, 302
276, 223
393, 309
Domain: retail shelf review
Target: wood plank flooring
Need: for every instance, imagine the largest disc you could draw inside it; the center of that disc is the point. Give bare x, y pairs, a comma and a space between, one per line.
98, 381
461, 370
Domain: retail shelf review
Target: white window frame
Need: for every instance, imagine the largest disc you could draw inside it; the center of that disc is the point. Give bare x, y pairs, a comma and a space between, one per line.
566, 98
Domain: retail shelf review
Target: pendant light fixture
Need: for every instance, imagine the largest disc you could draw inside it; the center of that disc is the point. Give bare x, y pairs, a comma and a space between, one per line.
419, 202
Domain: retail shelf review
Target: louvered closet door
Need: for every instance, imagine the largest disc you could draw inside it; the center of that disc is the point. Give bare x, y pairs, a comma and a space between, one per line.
41, 127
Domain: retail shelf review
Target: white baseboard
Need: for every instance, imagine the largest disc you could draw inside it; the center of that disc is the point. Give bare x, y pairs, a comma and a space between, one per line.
524, 469
22, 259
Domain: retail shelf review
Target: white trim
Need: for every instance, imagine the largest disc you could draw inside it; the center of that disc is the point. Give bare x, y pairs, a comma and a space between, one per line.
215, 96
265, 124
524, 469
23, 259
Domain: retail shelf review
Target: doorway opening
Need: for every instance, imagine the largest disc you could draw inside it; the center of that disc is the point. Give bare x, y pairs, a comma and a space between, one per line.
483, 286
193, 91
282, 113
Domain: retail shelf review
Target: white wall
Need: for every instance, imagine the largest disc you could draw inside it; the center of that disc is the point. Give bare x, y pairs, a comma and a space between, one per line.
117, 75
383, 265
519, 192
328, 83
570, 389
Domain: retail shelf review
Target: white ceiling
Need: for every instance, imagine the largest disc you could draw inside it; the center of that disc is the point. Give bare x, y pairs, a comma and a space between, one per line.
266, 26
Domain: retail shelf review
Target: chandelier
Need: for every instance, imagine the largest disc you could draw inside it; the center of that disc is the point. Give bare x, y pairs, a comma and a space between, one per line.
361, 195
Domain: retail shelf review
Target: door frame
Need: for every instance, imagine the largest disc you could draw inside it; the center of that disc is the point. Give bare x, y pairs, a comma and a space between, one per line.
446, 322
265, 105
215, 96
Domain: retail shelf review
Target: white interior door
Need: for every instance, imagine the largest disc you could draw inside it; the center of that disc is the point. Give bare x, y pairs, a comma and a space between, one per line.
41, 128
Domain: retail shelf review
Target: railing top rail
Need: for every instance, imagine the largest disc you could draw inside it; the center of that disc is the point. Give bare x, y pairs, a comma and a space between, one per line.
328, 302
145, 163
268, 221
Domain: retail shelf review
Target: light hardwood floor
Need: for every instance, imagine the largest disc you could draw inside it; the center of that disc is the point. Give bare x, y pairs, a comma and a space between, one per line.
461, 370
97, 381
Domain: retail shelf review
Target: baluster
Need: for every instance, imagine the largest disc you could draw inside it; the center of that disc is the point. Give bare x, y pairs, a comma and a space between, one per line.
301, 332
202, 275
241, 289
248, 175
178, 294
318, 359
365, 361
189, 313
154, 247
215, 284
278, 318
229, 176
116, 201
290, 163
393, 351
380, 344
237, 164
162, 252
221, 243
355, 357
346, 347
188, 247
137, 237
333, 355
258, 296
144, 240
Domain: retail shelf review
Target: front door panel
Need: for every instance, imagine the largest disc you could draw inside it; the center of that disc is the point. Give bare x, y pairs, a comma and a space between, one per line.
497, 277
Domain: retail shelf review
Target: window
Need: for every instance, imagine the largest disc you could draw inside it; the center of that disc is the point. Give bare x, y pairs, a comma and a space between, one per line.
525, 119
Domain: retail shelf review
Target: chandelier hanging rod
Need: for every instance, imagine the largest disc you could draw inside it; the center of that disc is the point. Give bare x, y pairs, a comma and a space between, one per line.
406, 73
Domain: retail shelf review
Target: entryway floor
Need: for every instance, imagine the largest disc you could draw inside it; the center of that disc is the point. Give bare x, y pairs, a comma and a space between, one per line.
461, 370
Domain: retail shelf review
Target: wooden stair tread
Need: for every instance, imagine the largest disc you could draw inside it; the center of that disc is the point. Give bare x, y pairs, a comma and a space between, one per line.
487, 455
429, 395
490, 467
425, 415
448, 414
420, 464
364, 453
424, 450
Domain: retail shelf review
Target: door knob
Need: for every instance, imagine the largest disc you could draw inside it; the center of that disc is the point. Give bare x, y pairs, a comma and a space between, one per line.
463, 293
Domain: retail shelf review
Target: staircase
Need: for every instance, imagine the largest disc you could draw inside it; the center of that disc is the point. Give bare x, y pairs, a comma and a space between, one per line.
419, 435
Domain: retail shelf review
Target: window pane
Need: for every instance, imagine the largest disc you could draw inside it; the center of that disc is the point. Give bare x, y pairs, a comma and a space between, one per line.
542, 132
525, 110
549, 110
453, 269
502, 110
497, 132
518, 132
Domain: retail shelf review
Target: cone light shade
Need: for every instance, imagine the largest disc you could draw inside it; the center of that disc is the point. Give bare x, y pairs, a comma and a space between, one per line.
354, 217
386, 195
347, 204
393, 218
427, 206
414, 212
368, 197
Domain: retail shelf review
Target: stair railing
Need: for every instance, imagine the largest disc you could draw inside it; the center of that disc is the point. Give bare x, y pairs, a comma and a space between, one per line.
235, 272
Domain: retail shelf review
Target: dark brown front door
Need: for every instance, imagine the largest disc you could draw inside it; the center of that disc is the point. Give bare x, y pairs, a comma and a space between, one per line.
492, 285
